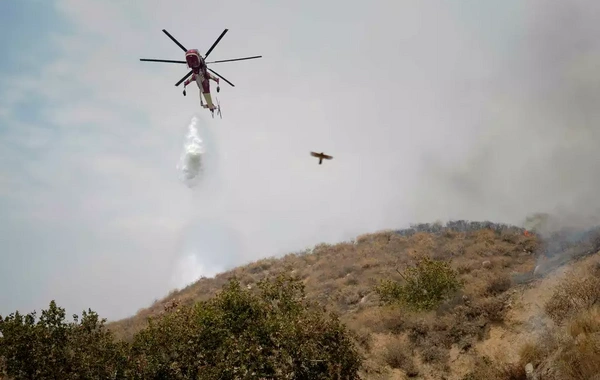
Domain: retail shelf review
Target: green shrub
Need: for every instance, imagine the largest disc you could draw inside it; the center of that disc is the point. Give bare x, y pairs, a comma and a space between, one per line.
53, 348
425, 285
242, 334
270, 333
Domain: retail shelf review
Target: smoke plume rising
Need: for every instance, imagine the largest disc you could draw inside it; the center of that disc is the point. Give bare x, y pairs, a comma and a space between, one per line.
532, 132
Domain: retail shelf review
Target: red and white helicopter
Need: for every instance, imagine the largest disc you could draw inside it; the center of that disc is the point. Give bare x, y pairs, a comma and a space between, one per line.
199, 71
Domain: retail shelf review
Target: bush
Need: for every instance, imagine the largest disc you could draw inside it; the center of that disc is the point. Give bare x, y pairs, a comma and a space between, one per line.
53, 348
579, 357
498, 285
571, 351
493, 309
485, 368
270, 333
239, 333
572, 297
425, 285
399, 356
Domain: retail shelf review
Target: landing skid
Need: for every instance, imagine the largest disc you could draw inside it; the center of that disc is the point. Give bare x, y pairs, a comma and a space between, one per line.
218, 109
212, 112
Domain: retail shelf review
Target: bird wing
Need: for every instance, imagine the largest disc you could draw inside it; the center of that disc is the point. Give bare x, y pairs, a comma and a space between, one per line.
327, 157
315, 154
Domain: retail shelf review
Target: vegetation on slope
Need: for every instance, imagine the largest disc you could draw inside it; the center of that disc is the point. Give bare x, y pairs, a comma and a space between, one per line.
426, 284
270, 333
343, 276
569, 348
427, 301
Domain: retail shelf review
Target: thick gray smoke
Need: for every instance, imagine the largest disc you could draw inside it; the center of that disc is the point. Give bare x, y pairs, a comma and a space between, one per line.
532, 135
532, 132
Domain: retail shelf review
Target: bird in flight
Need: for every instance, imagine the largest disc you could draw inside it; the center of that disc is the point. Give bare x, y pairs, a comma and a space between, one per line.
321, 156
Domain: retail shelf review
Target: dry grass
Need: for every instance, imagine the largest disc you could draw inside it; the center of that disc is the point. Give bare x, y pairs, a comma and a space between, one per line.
485, 368
498, 285
570, 349
573, 297
580, 357
488, 257
398, 355
343, 275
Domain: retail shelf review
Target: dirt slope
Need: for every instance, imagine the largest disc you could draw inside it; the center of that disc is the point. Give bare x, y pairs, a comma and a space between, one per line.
486, 324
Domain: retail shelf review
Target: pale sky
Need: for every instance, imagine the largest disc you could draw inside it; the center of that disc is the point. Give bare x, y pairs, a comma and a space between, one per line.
431, 109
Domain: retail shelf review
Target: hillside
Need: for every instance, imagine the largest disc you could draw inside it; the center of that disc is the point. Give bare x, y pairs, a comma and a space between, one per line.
495, 324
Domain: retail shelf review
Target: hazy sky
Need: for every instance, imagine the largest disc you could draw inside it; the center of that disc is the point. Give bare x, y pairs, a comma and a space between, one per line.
432, 109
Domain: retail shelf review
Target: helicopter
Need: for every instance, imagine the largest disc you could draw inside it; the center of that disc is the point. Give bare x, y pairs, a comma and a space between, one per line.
199, 70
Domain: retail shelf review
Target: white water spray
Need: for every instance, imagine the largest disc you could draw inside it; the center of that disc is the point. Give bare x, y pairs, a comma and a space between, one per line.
189, 269
202, 250
191, 161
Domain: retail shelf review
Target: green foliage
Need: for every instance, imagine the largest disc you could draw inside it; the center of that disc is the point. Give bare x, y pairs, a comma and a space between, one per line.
425, 285
272, 332
54, 348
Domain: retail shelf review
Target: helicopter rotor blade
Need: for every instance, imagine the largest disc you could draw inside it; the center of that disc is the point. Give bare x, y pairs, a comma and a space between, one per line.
235, 59
217, 74
161, 60
174, 40
215, 43
184, 78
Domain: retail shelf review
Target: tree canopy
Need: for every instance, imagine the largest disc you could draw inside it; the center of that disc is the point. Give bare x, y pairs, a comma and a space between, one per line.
268, 332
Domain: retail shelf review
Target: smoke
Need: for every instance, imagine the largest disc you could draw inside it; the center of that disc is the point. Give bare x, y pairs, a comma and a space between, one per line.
531, 134
528, 138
